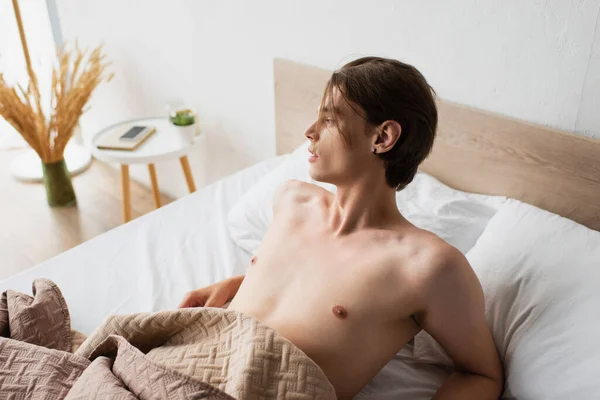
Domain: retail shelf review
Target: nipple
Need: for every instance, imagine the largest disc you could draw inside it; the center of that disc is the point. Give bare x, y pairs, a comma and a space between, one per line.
340, 312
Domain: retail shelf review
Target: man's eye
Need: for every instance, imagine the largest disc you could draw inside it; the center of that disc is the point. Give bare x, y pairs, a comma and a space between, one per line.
328, 120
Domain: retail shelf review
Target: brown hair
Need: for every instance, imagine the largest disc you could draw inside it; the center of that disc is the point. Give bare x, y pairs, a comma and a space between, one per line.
388, 89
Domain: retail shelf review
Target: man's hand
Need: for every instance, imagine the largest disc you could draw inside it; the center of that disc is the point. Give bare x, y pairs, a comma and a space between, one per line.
215, 295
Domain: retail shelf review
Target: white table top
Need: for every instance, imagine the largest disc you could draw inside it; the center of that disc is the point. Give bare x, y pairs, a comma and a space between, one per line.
164, 144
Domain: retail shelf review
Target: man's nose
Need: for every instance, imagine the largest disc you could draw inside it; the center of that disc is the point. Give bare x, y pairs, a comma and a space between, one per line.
311, 132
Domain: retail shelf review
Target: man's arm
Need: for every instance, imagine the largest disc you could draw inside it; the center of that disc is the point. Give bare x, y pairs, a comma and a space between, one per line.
454, 316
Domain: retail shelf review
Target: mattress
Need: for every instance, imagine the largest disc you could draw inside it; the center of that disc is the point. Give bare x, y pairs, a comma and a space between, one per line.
151, 262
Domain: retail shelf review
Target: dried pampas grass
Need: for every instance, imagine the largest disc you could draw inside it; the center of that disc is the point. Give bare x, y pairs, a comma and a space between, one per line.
74, 78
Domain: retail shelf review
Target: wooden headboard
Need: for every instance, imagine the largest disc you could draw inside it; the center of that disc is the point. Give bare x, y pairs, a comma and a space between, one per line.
474, 151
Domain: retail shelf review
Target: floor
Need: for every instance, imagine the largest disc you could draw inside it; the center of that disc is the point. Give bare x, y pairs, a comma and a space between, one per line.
32, 232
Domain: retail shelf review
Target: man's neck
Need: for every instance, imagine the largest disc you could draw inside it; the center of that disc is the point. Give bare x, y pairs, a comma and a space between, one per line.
366, 203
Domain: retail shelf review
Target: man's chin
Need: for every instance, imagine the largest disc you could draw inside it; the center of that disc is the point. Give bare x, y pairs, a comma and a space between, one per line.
316, 176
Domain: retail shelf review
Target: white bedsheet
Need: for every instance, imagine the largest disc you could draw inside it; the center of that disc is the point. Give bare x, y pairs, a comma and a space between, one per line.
149, 263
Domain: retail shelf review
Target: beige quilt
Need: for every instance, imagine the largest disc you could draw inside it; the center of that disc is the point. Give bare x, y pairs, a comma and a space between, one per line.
203, 353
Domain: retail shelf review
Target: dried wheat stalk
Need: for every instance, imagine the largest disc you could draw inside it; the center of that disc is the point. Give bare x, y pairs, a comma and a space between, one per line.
73, 80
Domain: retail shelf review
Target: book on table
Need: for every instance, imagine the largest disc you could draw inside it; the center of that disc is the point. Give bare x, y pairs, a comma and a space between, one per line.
127, 139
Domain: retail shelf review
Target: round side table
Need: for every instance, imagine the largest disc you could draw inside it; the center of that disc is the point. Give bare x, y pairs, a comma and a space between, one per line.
164, 144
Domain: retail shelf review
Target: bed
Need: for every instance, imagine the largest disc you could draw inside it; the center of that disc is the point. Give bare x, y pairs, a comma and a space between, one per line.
149, 263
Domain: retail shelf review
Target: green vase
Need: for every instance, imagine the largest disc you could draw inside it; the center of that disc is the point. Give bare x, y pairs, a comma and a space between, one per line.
59, 188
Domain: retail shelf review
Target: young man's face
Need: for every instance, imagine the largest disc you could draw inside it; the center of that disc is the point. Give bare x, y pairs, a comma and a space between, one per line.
334, 159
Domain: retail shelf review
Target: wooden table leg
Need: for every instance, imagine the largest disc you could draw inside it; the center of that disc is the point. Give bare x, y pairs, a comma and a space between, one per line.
185, 164
126, 193
154, 183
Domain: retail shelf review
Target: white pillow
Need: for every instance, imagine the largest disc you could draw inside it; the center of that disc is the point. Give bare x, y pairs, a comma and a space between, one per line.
541, 277
456, 217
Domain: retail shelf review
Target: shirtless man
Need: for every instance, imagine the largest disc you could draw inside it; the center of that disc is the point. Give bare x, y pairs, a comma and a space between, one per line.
346, 277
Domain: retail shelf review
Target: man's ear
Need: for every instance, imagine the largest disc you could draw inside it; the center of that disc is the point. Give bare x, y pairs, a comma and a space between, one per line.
388, 134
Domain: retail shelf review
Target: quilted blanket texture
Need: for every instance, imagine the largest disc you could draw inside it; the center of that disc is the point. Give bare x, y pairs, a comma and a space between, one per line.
201, 353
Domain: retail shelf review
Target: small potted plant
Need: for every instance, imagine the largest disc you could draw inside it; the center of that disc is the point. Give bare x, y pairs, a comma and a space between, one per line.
186, 122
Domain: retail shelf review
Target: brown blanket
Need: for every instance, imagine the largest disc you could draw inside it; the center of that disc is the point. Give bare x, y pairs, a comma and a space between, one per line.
204, 353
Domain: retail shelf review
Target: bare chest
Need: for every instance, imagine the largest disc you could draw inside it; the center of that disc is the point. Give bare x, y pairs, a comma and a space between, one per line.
306, 280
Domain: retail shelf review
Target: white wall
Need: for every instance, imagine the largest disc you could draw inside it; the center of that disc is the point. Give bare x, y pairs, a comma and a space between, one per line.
588, 121
528, 59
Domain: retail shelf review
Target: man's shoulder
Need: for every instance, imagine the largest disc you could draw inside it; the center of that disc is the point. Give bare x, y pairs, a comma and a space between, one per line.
298, 192
432, 254
430, 265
